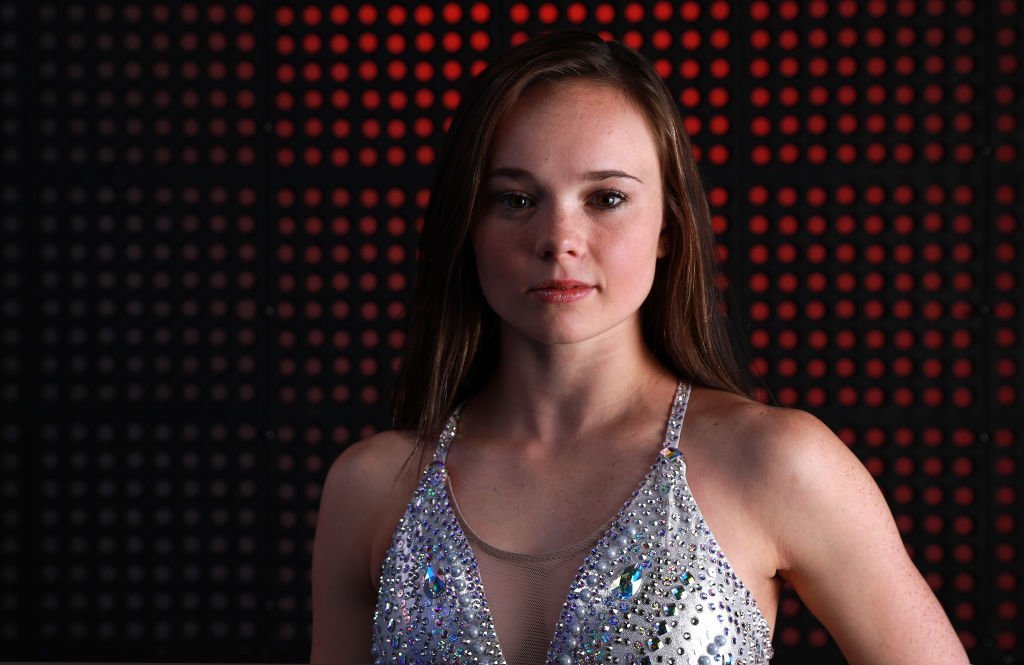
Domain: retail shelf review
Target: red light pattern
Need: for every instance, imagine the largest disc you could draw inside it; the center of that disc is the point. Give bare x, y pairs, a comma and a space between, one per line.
220, 209
1006, 295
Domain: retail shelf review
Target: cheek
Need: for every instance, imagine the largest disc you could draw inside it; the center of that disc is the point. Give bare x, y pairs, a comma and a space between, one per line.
483, 252
631, 262
634, 262
493, 259
636, 249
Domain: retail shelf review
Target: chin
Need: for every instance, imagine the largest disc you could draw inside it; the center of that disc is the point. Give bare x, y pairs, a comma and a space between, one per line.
567, 328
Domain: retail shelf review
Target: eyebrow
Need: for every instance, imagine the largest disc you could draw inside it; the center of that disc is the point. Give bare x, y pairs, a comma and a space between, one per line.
593, 176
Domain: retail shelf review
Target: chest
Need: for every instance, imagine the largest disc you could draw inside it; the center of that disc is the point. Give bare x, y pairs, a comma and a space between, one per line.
534, 506
537, 508
656, 584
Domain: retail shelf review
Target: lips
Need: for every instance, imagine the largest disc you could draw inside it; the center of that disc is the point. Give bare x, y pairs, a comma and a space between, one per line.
561, 290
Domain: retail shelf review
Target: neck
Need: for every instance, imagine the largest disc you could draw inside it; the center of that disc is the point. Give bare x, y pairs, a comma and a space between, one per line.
553, 393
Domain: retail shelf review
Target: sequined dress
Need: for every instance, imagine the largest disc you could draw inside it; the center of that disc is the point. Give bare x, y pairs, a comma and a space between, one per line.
655, 588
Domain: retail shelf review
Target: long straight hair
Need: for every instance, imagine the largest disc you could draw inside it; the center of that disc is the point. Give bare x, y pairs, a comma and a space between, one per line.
452, 344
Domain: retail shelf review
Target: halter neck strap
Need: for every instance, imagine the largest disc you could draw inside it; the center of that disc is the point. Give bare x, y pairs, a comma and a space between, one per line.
447, 434
675, 418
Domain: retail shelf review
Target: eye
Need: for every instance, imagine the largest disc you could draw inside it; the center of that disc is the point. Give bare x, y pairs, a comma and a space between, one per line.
609, 198
514, 200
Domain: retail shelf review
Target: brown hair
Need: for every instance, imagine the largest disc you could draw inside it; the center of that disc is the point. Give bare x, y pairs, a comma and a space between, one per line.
452, 344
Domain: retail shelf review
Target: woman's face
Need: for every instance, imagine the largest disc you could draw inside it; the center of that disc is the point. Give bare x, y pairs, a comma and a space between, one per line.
566, 234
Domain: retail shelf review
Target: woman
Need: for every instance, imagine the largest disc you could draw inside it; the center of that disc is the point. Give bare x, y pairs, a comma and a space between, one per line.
540, 499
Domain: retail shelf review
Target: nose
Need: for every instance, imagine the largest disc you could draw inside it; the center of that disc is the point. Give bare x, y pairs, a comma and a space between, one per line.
559, 231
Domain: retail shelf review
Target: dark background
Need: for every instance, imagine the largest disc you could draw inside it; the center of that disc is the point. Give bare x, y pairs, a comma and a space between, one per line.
209, 221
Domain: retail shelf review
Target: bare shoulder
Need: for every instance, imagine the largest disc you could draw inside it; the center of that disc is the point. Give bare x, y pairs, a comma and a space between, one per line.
798, 456
782, 464
777, 441
382, 459
371, 480
774, 444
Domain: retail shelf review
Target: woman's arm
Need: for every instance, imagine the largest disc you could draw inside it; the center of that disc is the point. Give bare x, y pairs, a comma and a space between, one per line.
342, 595
839, 546
363, 497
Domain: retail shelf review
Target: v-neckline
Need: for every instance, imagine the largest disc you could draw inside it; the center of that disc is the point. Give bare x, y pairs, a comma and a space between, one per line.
668, 453
473, 537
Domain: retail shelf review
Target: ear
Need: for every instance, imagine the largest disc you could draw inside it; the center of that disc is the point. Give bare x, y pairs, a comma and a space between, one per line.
663, 242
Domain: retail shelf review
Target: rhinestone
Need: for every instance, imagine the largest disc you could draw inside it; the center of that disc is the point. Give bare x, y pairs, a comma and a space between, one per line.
433, 582
630, 581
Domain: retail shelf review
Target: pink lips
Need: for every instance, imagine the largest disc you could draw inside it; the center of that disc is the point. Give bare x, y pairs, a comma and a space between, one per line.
560, 291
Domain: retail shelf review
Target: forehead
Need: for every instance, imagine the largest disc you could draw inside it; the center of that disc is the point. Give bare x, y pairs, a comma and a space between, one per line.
574, 121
